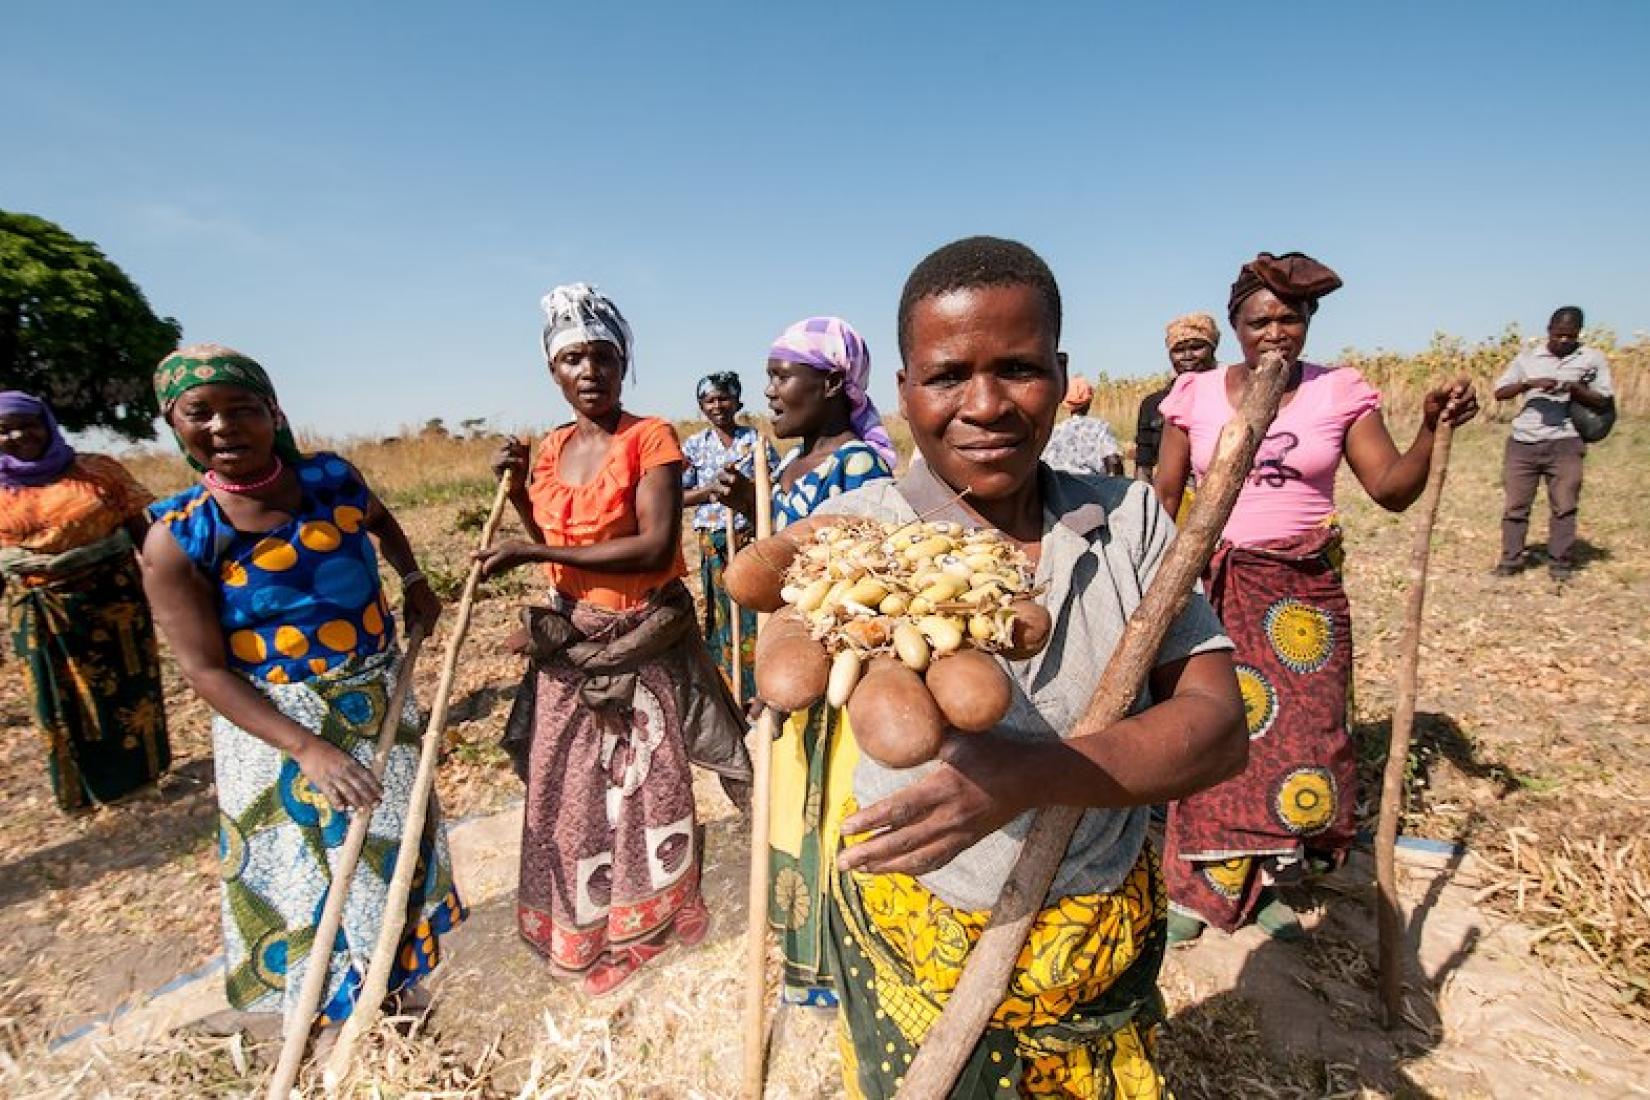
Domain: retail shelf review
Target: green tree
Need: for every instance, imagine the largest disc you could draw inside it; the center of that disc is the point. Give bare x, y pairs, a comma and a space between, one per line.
76, 331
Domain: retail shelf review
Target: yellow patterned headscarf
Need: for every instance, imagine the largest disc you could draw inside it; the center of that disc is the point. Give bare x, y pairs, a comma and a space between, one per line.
214, 364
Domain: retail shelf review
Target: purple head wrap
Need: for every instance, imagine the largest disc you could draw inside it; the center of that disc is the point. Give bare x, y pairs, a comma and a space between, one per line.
831, 344
16, 473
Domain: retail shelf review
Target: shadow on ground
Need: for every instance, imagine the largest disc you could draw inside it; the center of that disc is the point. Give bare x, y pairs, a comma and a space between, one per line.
125, 836
1304, 1019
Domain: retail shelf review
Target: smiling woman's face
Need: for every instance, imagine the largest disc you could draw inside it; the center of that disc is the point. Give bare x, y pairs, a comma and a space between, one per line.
226, 428
981, 384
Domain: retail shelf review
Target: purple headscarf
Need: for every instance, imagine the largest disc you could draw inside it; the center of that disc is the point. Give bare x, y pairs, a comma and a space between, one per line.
17, 473
831, 344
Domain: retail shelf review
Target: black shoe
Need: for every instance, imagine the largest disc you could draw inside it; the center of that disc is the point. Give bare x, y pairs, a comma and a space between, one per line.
1561, 572
1505, 570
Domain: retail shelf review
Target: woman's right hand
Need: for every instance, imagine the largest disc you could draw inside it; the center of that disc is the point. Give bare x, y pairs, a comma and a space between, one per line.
506, 555
512, 456
343, 780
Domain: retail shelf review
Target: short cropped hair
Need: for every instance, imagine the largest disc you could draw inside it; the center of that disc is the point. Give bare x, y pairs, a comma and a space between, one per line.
1563, 312
977, 262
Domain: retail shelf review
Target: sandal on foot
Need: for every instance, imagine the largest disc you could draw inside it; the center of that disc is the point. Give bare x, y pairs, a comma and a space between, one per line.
611, 973
1184, 929
1277, 920
691, 924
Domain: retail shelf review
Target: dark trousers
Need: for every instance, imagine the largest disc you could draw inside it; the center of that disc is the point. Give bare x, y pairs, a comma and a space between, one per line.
1526, 464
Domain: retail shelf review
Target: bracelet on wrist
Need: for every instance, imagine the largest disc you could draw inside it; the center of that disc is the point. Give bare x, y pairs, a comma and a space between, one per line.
410, 579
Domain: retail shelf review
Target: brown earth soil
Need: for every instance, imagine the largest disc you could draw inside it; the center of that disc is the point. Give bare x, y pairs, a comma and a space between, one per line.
1534, 750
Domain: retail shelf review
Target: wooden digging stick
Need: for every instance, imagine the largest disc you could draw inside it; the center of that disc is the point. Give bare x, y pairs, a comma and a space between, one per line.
736, 662
985, 976
376, 985
756, 942
299, 1022
1388, 916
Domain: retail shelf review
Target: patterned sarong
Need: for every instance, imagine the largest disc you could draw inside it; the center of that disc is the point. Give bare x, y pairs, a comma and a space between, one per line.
713, 558
1080, 1014
812, 777
82, 633
1284, 608
278, 838
609, 853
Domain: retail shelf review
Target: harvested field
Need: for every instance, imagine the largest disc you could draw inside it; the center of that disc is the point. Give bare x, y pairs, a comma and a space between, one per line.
1533, 961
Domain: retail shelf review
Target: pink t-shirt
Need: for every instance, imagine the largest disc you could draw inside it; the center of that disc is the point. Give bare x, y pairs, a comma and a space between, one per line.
1291, 488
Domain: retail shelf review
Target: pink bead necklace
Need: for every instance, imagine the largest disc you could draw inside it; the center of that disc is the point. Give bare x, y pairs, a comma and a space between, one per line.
242, 488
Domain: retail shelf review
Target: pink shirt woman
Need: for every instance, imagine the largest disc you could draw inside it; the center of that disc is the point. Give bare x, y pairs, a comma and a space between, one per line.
1275, 583
1291, 489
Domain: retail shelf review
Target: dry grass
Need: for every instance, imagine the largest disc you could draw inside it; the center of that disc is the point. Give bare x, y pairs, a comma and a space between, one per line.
1534, 749
396, 1059
1586, 890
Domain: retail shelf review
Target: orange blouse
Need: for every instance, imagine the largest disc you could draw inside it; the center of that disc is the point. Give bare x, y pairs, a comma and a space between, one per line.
94, 496
603, 508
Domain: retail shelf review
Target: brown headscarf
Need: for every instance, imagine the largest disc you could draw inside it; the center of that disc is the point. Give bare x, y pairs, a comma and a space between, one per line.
1293, 276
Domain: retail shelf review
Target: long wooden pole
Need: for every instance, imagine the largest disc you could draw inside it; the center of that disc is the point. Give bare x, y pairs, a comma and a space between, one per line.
376, 985
1388, 915
756, 941
302, 1018
952, 1039
736, 661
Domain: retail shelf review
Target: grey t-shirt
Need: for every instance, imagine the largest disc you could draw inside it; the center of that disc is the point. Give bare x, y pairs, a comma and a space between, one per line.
1545, 416
1103, 539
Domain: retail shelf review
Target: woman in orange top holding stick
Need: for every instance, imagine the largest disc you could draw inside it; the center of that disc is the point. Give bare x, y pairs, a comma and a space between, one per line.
620, 691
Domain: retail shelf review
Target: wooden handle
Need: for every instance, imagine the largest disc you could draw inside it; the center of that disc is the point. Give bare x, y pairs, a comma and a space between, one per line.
302, 1018
376, 985
756, 941
950, 1042
735, 661
1389, 917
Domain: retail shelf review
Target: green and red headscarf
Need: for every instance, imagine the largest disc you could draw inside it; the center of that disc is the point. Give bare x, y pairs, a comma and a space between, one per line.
214, 364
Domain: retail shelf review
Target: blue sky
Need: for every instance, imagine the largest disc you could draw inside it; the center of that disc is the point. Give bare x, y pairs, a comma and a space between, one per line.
371, 201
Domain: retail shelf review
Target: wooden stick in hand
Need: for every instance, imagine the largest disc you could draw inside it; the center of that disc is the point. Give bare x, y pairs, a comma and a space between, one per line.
1389, 917
952, 1039
736, 661
302, 1017
376, 985
756, 942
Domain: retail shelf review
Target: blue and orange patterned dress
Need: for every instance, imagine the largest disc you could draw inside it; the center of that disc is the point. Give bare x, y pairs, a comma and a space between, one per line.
305, 621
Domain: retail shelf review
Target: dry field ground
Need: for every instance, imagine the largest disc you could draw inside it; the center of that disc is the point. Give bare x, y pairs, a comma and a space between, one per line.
1533, 959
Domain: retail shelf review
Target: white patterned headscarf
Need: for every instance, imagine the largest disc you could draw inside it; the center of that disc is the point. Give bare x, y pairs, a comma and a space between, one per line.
578, 313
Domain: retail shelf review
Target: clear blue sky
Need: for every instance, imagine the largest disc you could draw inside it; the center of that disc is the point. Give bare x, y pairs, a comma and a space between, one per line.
371, 201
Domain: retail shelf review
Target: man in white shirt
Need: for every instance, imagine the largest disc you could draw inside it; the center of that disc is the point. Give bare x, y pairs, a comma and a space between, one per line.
1544, 444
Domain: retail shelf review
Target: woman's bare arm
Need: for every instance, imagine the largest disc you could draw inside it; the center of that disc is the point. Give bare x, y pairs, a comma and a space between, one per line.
1174, 465
1192, 740
652, 547
182, 602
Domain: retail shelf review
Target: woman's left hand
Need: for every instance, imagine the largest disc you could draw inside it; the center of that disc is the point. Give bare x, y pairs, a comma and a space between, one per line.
928, 824
420, 606
504, 556
1454, 400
